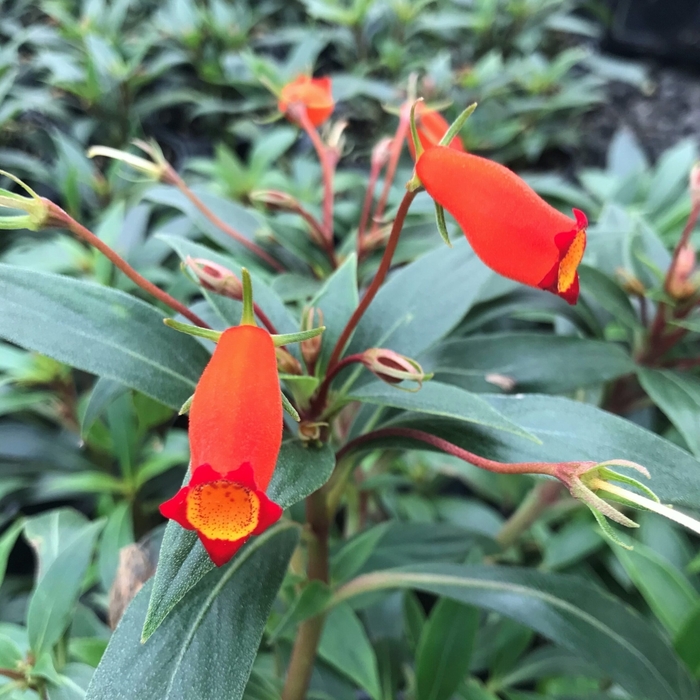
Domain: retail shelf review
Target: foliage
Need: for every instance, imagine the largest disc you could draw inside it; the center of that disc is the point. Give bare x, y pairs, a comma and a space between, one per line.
444, 580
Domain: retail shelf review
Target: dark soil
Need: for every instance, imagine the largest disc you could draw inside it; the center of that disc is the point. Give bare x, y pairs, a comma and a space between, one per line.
659, 118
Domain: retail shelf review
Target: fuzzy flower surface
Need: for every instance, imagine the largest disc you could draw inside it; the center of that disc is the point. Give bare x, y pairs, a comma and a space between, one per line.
235, 437
509, 226
313, 93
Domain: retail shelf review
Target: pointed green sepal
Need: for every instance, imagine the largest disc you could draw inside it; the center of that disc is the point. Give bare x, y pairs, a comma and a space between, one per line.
287, 338
417, 145
36, 211
441, 224
207, 333
457, 125
248, 315
610, 475
608, 530
185, 408
287, 406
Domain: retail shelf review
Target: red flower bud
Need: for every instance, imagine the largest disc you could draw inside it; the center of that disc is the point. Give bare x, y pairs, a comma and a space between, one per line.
680, 286
312, 93
215, 277
235, 436
393, 368
509, 226
431, 127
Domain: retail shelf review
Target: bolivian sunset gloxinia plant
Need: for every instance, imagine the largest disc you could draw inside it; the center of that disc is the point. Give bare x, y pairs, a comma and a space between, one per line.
277, 541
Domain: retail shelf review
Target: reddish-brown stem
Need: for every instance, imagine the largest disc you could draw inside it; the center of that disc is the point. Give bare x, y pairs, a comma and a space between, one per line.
548, 468
327, 158
61, 218
14, 675
375, 170
396, 148
658, 345
319, 400
172, 178
379, 278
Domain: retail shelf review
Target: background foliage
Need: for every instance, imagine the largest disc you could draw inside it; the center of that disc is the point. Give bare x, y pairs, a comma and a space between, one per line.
482, 607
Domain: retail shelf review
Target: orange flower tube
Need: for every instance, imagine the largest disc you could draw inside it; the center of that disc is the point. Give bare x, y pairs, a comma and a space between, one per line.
314, 93
509, 226
431, 127
235, 437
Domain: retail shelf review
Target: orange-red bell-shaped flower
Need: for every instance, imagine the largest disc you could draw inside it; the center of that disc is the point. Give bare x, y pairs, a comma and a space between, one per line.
431, 127
313, 93
235, 437
509, 226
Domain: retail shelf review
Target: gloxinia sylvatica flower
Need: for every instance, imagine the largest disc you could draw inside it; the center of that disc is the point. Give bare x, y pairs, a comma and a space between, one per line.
509, 226
235, 435
431, 127
313, 93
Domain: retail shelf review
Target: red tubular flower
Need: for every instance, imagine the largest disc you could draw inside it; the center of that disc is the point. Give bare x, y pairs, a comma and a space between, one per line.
511, 228
314, 93
431, 127
235, 436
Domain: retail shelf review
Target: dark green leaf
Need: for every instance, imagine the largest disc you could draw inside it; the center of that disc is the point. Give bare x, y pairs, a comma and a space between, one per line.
337, 299
344, 645
57, 591
567, 610
536, 362
422, 302
609, 295
678, 396
443, 400
183, 561
99, 330
666, 590
207, 648
445, 649
687, 641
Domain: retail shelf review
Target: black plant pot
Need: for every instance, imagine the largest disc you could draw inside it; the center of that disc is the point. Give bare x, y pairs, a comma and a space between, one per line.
662, 28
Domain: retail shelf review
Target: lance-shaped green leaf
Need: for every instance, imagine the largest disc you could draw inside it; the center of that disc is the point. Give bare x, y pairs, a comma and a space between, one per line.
565, 609
99, 330
207, 648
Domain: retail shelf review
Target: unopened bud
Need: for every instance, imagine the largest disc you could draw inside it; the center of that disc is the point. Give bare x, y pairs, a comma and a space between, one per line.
216, 278
381, 152
680, 286
694, 185
393, 368
286, 362
311, 348
275, 200
630, 283
311, 431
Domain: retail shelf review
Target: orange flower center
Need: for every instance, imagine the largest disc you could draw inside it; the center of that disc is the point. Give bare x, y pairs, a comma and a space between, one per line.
223, 510
570, 262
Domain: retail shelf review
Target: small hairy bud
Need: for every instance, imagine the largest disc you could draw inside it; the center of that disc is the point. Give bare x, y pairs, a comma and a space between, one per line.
215, 277
393, 368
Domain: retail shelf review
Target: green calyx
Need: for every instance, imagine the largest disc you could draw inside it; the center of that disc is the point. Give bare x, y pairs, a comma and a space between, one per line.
248, 315
196, 331
287, 338
457, 125
36, 211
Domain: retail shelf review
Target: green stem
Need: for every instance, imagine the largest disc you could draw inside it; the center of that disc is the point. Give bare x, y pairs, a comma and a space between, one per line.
301, 663
248, 315
379, 278
535, 504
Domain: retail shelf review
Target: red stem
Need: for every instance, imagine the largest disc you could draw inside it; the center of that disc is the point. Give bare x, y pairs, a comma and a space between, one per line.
63, 219
379, 277
327, 157
375, 170
396, 148
548, 468
172, 178
319, 401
